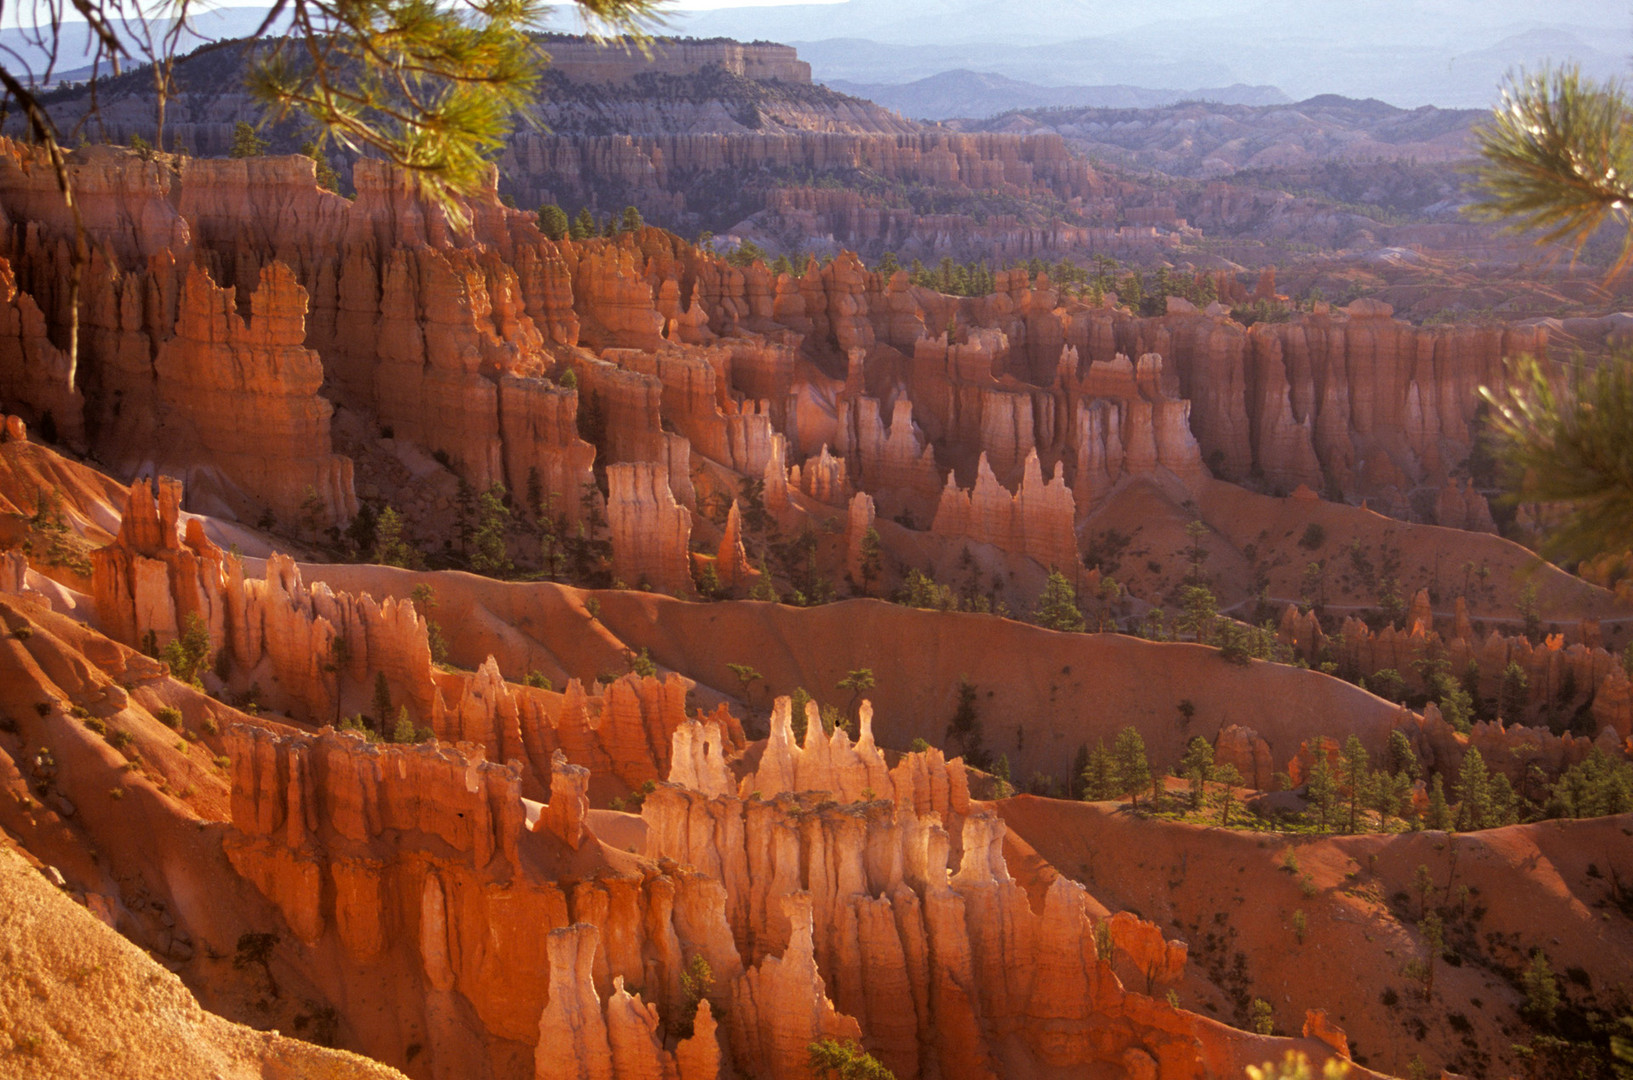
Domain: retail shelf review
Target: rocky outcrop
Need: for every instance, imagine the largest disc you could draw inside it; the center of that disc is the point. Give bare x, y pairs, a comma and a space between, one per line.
1036, 521
731, 564
35, 373
650, 531
858, 522
898, 467
150, 580
905, 916
242, 402
1559, 676
588, 61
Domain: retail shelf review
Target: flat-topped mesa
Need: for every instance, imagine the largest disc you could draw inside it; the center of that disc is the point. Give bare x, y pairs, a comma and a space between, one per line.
585, 60
240, 402
1037, 521
650, 530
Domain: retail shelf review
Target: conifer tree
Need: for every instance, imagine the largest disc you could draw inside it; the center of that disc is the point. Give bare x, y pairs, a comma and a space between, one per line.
553, 221
1099, 776
1057, 605
1197, 767
1473, 792
1224, 796
1439, 815
1322, 789
1357, 776
490, 555
390, 548
1541, 991
382, 703
245, 142
1133, 770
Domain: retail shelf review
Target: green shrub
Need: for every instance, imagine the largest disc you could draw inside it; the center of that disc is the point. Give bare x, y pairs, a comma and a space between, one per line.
210, 727
97, 726
1264, 1018
168, 716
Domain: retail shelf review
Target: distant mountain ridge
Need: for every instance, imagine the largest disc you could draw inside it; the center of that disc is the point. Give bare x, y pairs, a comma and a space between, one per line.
977, 94
1451, 53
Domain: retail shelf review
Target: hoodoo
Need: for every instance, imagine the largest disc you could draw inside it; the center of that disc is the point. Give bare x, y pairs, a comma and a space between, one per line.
729, 581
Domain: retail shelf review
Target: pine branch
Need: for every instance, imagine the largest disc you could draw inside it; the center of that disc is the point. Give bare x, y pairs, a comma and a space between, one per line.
1558, 159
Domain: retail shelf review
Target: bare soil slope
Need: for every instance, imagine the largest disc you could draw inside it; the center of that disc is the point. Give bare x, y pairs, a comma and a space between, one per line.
1561, 887
78, 1000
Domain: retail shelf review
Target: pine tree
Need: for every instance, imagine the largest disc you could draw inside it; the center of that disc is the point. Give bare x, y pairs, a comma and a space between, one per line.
1057, 605
1224, 796
390, 548
1541, 991
382, 703
1357, 777
858, 681
327, 178
245, 142
1516, 693
1473, 792
553, 221
1199, 614
583, 226
1439, 815
632, 220
1099, 776
1197, 767
1133, 770
1322, 790
491, 555
1504, 803
1400, 755
872, 559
